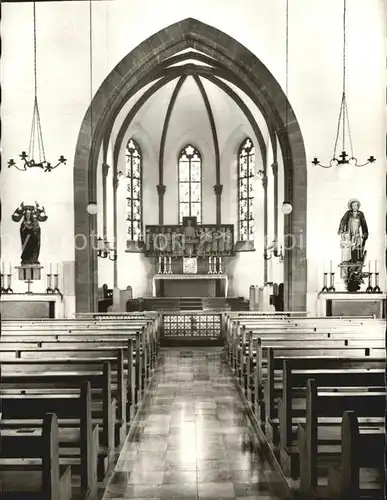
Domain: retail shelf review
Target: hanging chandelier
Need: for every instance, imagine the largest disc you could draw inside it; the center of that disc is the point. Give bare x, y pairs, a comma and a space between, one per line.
345, 161
36, 145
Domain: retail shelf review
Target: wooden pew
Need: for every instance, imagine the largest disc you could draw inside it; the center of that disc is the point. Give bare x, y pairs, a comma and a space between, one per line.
259, 375
316, 452
238, 339
361, 448
331, 374
66, 376
72, 369
40, 447
144, 360
77, 433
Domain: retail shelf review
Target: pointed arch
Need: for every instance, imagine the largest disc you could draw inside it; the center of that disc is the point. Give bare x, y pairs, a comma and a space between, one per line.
252, 76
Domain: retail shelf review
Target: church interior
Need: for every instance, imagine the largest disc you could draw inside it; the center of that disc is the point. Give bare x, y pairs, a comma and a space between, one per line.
193, 248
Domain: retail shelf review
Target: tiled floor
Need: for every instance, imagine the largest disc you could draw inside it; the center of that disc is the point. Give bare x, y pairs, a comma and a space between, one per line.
193, 439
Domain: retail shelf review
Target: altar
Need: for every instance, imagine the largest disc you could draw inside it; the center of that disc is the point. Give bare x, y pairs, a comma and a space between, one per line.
32, 306
351, 304
183, 283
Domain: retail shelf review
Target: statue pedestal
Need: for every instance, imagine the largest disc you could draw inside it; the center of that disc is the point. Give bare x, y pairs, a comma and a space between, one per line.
29, 272
351, 304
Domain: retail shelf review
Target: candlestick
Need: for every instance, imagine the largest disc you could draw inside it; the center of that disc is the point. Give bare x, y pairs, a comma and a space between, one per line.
369, 288
332, 285
210, 265
325, 285
9, 280
56, 277
49, 283
376, 287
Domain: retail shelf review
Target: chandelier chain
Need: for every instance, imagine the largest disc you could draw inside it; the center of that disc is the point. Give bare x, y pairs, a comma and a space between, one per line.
344, 46
91, 64
287, 49
343, 120
36, 128
36, 135
35, 70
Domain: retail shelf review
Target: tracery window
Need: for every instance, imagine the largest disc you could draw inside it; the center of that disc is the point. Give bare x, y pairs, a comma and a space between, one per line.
246, 169
134, 191
190, 183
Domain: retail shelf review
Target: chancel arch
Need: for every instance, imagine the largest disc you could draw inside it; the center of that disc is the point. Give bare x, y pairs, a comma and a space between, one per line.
251, 75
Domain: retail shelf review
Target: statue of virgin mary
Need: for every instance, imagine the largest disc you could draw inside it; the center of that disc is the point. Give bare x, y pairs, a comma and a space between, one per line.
29, 231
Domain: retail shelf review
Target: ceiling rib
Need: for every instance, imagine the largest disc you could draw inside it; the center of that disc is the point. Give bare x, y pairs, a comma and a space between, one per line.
135, 109
207, 105
168, 114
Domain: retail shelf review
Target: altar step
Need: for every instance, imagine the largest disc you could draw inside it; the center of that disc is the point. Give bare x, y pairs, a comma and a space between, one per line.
191, 304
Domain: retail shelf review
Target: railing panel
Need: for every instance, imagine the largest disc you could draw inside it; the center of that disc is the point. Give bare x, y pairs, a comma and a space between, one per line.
185, 325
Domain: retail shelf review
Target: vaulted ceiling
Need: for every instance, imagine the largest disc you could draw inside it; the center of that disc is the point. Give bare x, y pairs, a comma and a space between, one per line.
189, 88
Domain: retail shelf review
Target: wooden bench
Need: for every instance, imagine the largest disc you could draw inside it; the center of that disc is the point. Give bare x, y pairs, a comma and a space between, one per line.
78, 438
40, 448
360, 471
48, 371
331, 374
256, 374
316, 452
238, 340
143, 361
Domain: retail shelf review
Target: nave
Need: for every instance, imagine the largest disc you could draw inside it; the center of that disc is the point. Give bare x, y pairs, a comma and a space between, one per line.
192, 439
78, 394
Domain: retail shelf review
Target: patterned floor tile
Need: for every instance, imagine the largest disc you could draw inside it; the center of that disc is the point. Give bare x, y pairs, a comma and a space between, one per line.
193, 440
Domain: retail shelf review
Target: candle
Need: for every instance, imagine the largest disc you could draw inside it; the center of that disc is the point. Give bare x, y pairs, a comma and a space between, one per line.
2, 268
57, 269
50, 268
330, 266
376, 266
369, 266
10, 268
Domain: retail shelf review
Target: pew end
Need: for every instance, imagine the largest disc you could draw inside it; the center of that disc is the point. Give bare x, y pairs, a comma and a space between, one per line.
30, 465
360, 473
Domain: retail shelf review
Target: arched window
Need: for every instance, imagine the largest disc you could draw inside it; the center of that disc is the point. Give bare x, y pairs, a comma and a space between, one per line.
134, 191
246, 168
190, 184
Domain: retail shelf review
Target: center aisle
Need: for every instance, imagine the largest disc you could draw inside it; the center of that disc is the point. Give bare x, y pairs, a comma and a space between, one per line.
192, 440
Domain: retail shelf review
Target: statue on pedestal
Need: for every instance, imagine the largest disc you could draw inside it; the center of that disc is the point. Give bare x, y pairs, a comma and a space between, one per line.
353, 231
190, 235
30, 231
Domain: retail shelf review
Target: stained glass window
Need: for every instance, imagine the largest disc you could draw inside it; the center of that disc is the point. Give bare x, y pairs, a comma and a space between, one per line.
246, 169
190, 184
134, 191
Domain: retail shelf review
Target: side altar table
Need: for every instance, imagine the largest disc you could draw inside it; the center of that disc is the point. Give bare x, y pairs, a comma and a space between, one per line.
186, 277
351, 304
35, 306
